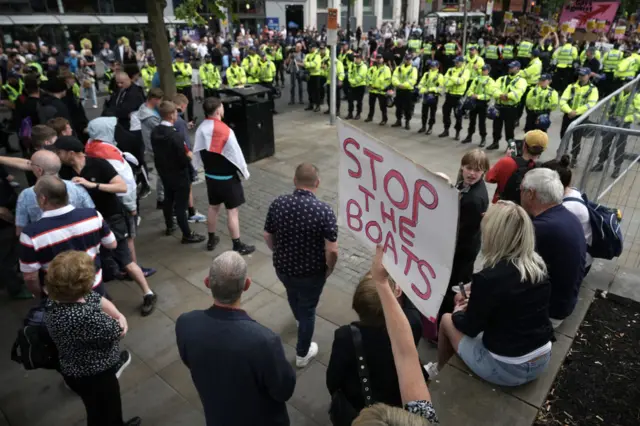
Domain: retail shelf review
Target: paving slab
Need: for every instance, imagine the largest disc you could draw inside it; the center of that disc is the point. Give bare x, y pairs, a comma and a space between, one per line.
570, 325
153, 339
311, 397
627, 284
178, 376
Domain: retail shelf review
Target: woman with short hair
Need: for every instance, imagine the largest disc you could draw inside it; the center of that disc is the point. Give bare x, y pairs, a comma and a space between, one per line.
502, 330
86, 329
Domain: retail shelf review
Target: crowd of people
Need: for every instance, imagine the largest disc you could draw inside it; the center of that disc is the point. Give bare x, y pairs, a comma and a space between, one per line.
74, 228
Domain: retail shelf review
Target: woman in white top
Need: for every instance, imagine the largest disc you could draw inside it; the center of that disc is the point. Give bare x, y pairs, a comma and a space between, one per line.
573, 201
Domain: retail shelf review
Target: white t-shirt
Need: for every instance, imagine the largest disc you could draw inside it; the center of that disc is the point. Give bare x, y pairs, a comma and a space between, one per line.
582, 213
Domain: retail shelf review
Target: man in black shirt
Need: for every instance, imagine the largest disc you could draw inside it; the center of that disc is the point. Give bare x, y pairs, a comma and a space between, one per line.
173, 161
103, 184
591, 62
125, 100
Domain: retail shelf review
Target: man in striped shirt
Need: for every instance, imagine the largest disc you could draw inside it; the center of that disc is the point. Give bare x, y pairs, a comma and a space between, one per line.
62, 227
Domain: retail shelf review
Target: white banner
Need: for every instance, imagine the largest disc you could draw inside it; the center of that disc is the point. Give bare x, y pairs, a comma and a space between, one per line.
387, 199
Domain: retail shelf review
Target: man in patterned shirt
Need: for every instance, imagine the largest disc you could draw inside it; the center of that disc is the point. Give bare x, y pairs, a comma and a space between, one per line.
302, 232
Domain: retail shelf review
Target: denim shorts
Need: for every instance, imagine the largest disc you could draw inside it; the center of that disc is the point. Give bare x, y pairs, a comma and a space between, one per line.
483, 364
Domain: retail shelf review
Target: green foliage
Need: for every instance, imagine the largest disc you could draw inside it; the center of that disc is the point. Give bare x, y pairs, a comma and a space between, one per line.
189, 11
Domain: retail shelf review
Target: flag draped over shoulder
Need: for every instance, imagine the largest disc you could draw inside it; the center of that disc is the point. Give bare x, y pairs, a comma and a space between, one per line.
215, 136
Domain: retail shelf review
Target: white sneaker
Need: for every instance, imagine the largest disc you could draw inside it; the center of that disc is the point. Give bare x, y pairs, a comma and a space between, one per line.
432, 369
302, 362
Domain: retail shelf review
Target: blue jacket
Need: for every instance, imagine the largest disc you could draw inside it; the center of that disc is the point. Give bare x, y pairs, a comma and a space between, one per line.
155, 82
238, 367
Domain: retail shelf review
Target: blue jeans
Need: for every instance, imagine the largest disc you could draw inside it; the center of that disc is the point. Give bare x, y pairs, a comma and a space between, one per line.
303, 294
481, 362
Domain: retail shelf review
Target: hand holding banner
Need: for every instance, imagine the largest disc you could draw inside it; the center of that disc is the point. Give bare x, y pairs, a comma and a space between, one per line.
387, 199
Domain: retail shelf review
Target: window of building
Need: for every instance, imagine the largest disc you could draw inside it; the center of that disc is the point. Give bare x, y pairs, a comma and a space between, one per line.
387, 9
323, 4
367, 7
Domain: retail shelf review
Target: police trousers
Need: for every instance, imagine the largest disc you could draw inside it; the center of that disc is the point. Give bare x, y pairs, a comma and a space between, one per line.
620, 146
430, 112
382, 99
356, 94
532, 117
576, 136
479, 112
404, 104
507, 117
451, 103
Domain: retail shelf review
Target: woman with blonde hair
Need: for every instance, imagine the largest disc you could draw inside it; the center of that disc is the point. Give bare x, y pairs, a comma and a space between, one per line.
500, 324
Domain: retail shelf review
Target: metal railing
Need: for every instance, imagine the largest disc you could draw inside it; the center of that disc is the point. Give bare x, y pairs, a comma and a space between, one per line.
606, 154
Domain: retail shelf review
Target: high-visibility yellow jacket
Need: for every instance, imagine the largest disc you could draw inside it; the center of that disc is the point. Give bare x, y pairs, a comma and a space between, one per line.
450, 49
619, 105
565, 56
405, 77
358, 74
628, 67
474, 65
269, 56
483, 87
344, 58
611, 59
210, 76
378, 79
278, 53
492, 52
108, 76
147, 73
414, 44
513, 86
313, 64
236, 76
251, 66
455, 80
339, 71
13, 93
539, 99
183, 73
579, 98
508, 51
432, 82
524, 49
267, 71
324, 64
533, 71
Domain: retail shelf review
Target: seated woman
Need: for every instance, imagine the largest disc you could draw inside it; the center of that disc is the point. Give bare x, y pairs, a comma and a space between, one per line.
86, 329
502, 331
342, 373
573, 201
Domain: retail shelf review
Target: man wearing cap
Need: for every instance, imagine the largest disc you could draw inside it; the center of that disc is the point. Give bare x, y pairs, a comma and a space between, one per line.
404, 79
278, 56
455, 84
236, 77
564, 57
251, 66
148, 71
542, 99
379, 79
313, 64
358, 80
481, 90
346, 57
267, 74
430, 88
325, 59
340, 76
474, 63
184, 73
508, 93
210, 77
577, 99
532, 75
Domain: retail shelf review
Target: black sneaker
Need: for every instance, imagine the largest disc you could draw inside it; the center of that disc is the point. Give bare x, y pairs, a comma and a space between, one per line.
192, 238
148, 304
145, 191
125, 360
212, 243
169, 231
159, 205
136, 421
244, 249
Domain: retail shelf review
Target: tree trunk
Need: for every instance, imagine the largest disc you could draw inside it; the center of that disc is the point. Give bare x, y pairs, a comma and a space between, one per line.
160, 46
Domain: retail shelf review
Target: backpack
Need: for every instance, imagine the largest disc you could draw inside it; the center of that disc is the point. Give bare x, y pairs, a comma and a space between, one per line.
33, 347
25, 129
607, 240
511, 190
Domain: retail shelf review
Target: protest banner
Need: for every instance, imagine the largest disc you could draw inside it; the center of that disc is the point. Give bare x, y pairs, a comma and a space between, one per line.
387, 199
619, 32
585, 10
508, 16
601, 26
591, 25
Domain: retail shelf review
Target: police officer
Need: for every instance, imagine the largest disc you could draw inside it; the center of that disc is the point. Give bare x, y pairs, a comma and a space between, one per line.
358, 81
455, 84
236, 77
414, 43
346, 57
509, 91
542, 99
313, 64
564, 57
492, 57
109, 76
324, 66
618, 118
481, 91
508, 54
532, 75
184, 73
628, 68
577, 99
451, 50
427, 53
148, 71
474, 63
404, 79
210, 77
524, 52
267, 74
379, 80
610, 62
430, 88
340, 75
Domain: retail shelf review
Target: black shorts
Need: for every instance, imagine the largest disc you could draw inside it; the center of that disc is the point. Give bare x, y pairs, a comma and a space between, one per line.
229, 192
120, 228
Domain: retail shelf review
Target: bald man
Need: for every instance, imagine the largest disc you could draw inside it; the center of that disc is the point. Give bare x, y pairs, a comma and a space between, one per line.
126, 100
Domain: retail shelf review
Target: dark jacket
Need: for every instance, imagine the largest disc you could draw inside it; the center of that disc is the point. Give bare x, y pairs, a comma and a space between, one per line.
79, 120
342, 372
474, 201
169, 152
238, 367
123, 102
53, 108
513, 315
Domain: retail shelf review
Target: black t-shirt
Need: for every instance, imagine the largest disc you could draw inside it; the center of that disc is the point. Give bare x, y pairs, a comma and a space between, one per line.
593, 64
97, 170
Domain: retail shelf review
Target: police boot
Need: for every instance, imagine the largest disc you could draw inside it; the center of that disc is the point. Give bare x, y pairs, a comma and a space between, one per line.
357, 117
383, 122
598, 167
406, 126
444, 134
317, 108
494, 145
616, 172
574, 162
398, 123
369, 119
429, 130
422, 129
327, 112
467, 139
349, 116
457, 137
483, 141
309, 108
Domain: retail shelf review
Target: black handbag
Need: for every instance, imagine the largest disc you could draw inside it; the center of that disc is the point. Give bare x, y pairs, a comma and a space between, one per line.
341, 412
33, 347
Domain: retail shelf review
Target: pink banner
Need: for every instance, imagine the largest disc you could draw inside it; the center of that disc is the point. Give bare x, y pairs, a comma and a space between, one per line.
584, 10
